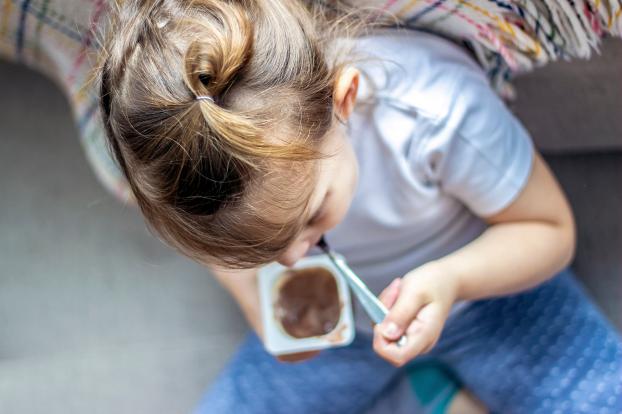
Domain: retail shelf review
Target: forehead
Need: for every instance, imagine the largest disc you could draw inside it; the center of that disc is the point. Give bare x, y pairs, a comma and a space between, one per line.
326, 170
292, 191
284, 190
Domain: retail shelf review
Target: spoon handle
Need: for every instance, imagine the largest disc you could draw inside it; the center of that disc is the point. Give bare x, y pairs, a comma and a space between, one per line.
372, 305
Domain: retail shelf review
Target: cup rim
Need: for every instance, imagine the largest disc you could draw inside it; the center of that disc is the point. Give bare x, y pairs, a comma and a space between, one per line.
276, 340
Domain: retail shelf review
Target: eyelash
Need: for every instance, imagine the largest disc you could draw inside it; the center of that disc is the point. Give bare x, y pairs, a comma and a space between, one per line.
317, 217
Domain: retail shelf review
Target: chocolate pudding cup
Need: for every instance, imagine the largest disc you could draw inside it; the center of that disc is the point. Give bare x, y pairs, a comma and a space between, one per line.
306, 307
307, 302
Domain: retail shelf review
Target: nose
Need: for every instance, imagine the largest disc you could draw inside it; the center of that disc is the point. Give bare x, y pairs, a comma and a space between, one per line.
294, 253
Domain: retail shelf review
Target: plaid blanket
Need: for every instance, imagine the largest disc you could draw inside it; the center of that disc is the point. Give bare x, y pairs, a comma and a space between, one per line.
61, 38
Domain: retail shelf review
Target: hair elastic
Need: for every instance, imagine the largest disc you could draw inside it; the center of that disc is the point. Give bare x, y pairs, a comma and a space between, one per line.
204, 98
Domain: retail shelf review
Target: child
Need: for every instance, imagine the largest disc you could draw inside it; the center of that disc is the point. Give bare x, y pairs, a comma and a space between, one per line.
247, 130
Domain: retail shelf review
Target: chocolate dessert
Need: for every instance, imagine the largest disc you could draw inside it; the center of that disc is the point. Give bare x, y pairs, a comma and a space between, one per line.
308, 302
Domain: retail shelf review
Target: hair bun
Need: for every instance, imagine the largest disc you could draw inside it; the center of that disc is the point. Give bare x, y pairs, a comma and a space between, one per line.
205, 79
220, 48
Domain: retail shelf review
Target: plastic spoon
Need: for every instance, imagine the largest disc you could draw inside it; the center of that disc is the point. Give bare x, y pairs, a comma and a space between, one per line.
372, 305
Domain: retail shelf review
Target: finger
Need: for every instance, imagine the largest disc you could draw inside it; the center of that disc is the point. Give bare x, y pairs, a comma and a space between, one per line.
390, 293
419, 338
423, 334
402, 313
389, 350
393, 352
382, 346
433, 318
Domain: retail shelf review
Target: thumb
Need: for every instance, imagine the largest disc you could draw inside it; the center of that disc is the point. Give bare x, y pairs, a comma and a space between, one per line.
401, 315
390, 293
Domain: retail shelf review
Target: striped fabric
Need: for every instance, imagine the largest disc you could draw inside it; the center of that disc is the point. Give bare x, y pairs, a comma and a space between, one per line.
59, 38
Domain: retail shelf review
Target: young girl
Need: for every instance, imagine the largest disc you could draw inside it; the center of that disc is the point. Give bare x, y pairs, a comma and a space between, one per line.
248, 129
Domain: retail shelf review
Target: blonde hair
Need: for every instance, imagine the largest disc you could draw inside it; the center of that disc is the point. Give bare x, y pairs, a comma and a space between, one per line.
205, 172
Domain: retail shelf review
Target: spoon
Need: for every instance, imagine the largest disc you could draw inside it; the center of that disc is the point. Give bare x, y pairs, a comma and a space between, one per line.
372, 305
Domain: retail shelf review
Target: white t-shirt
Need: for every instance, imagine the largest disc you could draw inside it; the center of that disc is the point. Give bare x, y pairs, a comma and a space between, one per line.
437, 149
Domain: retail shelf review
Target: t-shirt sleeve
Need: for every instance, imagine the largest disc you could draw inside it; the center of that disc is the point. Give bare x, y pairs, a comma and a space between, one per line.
480, 153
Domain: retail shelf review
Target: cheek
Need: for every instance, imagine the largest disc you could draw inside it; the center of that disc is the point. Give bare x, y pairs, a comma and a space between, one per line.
351, 176
354, 174
344, 191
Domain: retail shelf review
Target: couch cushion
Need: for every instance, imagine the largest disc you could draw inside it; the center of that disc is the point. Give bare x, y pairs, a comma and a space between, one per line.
574, 106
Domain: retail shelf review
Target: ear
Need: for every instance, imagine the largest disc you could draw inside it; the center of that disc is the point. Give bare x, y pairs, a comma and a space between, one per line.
346, 88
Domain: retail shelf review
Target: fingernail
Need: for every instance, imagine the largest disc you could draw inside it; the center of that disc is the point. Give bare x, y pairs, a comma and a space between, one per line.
391, 330
402, 341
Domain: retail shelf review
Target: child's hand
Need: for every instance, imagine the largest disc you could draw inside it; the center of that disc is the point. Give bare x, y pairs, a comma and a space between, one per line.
419, 304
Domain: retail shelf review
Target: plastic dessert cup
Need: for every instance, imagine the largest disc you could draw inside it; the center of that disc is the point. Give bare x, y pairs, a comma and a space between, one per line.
279, 337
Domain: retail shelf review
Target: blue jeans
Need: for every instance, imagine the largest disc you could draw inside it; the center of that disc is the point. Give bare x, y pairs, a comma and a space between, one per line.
546, 350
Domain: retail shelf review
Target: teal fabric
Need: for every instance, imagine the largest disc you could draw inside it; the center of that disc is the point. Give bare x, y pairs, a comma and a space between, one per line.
434, 385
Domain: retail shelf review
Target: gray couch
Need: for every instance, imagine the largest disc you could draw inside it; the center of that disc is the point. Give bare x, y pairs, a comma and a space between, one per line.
98, 316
